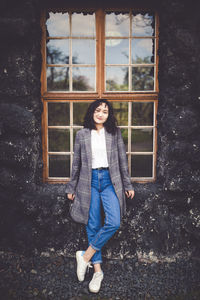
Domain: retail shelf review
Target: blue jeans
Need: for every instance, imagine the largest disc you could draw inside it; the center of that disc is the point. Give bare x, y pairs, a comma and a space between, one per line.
103, 191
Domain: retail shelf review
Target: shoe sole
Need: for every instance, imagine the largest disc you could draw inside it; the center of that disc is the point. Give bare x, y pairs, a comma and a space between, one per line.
77, 260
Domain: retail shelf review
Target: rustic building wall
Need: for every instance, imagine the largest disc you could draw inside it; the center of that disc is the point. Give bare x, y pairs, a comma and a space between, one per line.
164, 218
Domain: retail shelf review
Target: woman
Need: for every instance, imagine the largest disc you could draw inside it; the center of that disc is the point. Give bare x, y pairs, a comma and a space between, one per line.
99, 175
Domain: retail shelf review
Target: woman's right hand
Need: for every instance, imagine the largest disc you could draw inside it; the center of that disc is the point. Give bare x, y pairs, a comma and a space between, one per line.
70, 196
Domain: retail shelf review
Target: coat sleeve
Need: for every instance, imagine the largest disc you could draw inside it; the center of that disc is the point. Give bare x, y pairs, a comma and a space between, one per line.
71, 185
123, 164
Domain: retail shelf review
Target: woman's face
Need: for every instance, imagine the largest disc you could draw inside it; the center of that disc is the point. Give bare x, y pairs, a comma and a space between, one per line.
101, 114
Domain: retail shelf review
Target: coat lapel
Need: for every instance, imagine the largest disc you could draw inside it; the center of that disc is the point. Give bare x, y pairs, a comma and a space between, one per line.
88, 147
108, 137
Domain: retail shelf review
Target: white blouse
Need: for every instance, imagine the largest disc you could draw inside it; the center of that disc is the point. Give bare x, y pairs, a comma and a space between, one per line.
99, 154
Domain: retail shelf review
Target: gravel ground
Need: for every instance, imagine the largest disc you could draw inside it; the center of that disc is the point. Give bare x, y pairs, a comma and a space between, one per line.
54, 277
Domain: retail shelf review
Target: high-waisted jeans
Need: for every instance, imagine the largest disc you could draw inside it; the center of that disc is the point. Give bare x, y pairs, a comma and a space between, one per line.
102, 191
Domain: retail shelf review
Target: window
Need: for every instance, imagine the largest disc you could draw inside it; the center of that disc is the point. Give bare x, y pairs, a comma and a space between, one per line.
99, 54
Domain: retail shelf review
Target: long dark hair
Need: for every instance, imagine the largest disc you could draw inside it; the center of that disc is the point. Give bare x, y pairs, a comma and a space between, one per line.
111, 122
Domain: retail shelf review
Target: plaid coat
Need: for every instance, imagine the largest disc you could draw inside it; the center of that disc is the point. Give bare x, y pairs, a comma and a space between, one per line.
80, 183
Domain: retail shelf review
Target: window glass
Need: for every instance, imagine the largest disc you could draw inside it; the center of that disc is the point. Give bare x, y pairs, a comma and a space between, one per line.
57, 24
142, 78
121, 112
57, 79
83, 25
58, 51
79, 111
142, 51
142, 140
142, 113
59, 140
143, 24
83, 79
58, 114
83, 51
117, 24
117, 78
59, 165
117, 51
141, 165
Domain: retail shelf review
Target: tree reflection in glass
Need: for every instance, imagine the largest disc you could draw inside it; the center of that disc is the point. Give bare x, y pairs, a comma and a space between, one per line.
142, 113
57, 79
58, 140
116, 78
58, 52
142, 51
58, 114
142, 140
142, 78
121, 112
83, 79
143, 24
79, 111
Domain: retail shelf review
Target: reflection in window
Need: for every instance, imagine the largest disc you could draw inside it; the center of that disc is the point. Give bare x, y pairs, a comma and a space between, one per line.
142, 79
143, 24
142, 140
141, 165
83, 79
70, 40
126, 45
58, 52
58, 114
57, 79
59, 140
59, 166
142, 113
117, 78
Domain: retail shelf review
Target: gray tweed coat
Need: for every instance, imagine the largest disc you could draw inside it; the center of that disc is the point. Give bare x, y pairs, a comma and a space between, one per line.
80, 183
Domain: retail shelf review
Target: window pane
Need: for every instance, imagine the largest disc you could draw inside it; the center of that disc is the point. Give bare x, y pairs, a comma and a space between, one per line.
83, 25
79, 111
57, 24
59, 140
125, 137
59, 165
142, 113
116, 78
58, 52
142, 78
142, 140
121, 112
117, 24
142, 51
143, 24
57, 79
117, 51
58, 114
83, 79
83, 51
141, 165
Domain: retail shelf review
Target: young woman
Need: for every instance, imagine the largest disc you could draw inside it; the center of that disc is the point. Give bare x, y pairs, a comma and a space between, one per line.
99, 175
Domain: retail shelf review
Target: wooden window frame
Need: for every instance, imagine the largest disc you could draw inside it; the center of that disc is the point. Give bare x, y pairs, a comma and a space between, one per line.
122, 96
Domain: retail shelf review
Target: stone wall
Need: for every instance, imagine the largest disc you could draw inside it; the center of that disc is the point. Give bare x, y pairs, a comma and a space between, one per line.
163, 220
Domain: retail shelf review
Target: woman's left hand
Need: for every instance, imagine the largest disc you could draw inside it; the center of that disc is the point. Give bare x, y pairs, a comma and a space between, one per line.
130, 194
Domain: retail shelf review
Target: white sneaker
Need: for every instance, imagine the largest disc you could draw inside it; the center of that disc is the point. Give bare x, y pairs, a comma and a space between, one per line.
82, 265
95, 283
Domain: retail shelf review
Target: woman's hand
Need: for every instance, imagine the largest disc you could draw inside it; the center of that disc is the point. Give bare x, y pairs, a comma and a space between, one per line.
130, 194
70, 196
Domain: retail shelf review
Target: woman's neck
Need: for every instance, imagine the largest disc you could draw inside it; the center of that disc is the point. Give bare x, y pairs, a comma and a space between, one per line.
99, 126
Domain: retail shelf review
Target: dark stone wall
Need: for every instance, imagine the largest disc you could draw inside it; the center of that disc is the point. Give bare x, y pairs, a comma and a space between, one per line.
163, 220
